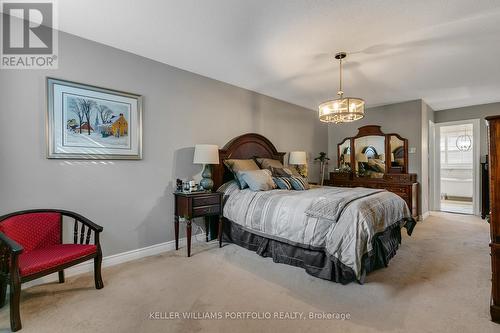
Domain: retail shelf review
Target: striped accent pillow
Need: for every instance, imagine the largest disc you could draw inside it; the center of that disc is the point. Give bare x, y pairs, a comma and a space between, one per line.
298, 183
283, 183
281, 172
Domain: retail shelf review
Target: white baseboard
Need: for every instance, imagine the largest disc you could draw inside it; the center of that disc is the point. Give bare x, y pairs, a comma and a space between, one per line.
115, 259
424, 216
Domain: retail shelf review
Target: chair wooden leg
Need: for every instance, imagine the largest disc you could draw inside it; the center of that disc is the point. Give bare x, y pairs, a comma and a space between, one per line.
15, 295
61, 276
97, 270
3, 289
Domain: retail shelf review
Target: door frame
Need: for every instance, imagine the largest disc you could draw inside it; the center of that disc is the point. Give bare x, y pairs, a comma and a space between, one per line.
432, 169
435, 175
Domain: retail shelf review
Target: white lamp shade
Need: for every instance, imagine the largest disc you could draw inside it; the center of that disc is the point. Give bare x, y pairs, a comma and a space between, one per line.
297, 158
206, 154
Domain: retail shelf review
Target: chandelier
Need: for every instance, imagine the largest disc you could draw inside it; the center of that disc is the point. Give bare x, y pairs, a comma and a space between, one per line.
464, 142
342, 109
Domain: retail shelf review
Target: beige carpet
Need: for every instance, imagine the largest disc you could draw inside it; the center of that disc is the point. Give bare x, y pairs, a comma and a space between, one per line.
438, 282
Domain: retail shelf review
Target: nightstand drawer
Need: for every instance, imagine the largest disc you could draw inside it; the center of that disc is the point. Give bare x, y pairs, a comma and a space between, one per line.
206, 201
205, 210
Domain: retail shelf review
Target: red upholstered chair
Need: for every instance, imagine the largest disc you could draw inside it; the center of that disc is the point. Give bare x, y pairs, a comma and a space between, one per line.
31, 247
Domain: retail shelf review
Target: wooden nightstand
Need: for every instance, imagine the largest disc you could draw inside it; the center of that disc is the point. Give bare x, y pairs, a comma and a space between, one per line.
191, 205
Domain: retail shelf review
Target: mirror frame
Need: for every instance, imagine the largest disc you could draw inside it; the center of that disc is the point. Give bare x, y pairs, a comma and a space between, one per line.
375, 130
404, 169
339, 153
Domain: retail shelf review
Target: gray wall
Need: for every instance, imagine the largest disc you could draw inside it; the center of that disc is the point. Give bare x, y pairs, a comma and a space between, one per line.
133, 199
470, 112
402, 118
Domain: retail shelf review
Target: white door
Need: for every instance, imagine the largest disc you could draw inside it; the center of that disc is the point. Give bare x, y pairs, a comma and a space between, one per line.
455, 183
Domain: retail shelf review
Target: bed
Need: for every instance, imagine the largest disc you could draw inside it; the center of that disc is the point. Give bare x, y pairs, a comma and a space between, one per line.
338, 234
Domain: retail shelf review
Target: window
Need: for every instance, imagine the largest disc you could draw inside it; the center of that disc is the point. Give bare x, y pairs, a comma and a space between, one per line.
451, 156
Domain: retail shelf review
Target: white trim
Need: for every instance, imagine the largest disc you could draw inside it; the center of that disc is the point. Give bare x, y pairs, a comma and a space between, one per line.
424, 216
475, 166
432, 169
115, 259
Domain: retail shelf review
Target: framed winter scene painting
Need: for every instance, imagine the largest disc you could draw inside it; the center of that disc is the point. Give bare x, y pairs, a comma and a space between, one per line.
87, 122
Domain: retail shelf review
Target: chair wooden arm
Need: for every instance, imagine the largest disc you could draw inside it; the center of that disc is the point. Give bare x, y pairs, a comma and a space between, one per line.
86, 222
13, 246
83, 219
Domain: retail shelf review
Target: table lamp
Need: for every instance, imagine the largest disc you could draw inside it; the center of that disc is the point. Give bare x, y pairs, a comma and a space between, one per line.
207, 155
298, 158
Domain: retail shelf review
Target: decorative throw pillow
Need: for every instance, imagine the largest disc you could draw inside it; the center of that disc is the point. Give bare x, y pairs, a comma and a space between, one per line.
268, 163
299, 183
283, 183
258, 180
235, 166
281, 172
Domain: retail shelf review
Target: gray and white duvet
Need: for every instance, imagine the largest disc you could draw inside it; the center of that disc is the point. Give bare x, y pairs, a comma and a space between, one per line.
340, 221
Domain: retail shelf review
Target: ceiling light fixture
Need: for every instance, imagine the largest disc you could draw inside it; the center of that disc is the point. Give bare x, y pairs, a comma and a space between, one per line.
464, 142
342, 109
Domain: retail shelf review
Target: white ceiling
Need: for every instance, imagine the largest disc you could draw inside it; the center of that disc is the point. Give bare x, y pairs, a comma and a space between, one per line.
444, 51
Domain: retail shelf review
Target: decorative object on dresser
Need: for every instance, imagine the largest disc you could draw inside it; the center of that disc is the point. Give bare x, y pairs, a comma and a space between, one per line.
323, 163
87, 122
192, 205
494, 175
299, 160
206, 154
485, 188
31, 246
376, 160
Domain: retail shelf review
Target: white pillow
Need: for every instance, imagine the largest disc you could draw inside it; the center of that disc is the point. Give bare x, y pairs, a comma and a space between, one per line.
258, 180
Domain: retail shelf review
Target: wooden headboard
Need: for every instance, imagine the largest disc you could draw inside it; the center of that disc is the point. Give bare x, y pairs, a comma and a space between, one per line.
245, 146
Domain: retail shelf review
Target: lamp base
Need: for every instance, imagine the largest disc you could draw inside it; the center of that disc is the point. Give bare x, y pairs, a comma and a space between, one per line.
207, 183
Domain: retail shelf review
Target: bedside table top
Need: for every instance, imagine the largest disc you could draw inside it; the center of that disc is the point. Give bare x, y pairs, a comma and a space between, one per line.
193, 194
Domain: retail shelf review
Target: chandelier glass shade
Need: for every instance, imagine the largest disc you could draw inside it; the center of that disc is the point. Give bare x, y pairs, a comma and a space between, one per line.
464, 142
342, 109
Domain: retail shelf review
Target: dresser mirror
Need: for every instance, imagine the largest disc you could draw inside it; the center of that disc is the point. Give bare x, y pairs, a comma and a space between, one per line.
344, 155
373, 153
398, 150
370, 156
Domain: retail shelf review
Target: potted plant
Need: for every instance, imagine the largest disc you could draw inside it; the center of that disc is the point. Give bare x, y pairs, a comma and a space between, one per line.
323, 162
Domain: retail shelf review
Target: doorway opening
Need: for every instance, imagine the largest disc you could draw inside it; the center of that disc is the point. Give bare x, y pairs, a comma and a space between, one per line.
456, 185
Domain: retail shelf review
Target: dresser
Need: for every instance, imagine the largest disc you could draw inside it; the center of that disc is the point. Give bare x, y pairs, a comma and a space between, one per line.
375, 159
404, 185
494, 175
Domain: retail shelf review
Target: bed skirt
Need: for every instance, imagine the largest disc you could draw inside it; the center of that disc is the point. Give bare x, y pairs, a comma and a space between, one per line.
318, 263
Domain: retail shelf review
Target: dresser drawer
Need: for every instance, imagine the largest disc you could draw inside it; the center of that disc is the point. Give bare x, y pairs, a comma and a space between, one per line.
402, 177
206, 210
398, 190
206, 201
